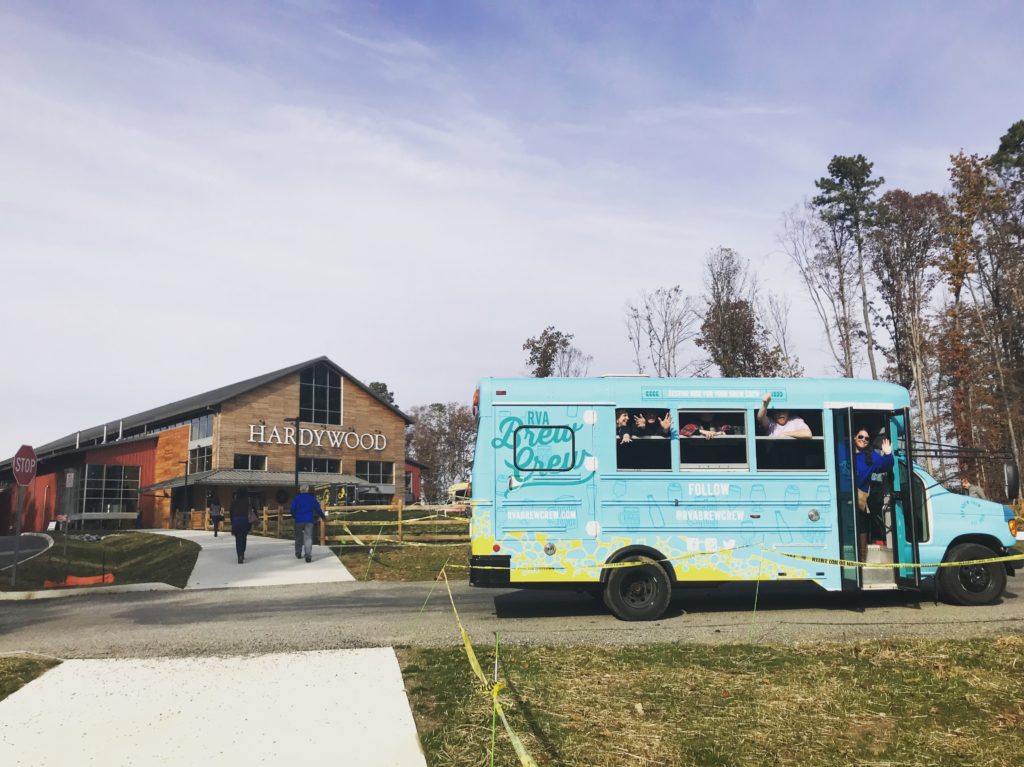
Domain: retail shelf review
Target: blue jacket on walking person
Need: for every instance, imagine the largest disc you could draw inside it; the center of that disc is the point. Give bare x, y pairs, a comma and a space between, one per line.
305, 508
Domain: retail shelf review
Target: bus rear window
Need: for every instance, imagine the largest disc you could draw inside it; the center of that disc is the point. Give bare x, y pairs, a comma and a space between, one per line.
544, 448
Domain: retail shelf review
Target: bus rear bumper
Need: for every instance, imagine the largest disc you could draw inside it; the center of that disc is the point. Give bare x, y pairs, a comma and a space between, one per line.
489, 570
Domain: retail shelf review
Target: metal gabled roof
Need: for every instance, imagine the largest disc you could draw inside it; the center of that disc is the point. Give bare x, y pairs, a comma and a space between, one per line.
252, 478
188, 407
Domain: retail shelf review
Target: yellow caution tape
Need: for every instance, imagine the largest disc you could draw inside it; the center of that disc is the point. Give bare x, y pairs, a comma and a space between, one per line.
353, 536
524, 757
609, 565
415, 520
891, 565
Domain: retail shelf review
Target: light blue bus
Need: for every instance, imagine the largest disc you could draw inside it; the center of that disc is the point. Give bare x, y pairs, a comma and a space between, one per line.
633, 485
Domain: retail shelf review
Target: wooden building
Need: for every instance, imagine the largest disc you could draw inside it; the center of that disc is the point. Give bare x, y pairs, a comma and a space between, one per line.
254, 434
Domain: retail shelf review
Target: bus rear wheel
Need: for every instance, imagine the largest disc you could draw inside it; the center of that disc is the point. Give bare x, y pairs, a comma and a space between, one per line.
639, 592
972, 585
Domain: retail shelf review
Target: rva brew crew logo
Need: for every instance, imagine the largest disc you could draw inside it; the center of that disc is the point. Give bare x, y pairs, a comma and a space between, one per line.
542, 448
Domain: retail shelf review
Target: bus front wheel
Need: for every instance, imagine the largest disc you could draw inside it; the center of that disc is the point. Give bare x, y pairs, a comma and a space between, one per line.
639, 592
972, 585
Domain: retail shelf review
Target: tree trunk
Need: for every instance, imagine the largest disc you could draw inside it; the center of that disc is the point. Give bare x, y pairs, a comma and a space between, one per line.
864, 306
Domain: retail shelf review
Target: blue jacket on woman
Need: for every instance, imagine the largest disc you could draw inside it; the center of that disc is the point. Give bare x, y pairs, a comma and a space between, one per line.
879, 463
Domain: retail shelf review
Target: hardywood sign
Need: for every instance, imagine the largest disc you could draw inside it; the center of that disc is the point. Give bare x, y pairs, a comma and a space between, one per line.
261, 434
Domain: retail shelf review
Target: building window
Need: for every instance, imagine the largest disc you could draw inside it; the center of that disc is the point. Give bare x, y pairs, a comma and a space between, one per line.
251, 462
320, 395
320, 465
376, 472
111, 489
201, 428
200, 459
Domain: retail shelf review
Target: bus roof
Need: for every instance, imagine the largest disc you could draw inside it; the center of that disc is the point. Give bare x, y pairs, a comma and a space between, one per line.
701, 392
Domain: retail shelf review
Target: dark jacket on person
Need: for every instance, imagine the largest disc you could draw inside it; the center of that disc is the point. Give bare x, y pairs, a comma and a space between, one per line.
240, 514
870, 462
305, 508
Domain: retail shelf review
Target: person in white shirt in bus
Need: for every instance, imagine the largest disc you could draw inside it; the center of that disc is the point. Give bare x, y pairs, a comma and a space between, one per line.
779, 424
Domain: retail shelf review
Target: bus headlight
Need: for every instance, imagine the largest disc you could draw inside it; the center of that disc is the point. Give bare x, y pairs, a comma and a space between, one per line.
1014, 525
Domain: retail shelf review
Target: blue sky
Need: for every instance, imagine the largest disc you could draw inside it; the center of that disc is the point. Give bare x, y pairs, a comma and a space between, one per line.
195, 193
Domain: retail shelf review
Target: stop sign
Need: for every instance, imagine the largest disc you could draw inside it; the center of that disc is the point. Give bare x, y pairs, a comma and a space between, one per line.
24, 465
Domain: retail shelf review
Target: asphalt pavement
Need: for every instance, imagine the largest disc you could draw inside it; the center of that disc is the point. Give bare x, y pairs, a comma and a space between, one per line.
199, 708
30, 545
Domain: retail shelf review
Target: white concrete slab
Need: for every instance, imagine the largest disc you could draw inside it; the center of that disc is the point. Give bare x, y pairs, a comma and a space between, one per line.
268, 562
332, 707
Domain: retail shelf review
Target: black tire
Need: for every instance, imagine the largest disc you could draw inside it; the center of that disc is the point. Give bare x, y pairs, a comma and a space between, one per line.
638, 593
972, 585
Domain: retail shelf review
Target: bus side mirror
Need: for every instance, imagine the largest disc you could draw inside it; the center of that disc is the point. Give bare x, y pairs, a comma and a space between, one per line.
1011, 479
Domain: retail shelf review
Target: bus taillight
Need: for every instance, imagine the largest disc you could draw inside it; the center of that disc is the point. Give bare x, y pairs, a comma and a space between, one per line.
476, 403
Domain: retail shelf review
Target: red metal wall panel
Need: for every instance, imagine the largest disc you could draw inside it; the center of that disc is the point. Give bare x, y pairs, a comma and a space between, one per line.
141, 453
40, 505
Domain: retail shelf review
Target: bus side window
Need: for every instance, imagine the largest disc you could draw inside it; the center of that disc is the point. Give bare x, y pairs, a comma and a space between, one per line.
778, 452
712, 440
643, 439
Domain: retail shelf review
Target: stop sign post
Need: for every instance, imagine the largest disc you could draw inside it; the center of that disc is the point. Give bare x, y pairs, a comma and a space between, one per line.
24, 465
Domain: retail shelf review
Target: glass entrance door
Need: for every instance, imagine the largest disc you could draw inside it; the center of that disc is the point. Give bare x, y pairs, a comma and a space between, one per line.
904, 520
846, 497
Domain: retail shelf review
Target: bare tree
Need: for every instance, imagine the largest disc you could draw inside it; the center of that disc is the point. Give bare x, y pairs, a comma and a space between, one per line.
659, 325
903, 247
570, 362
822, 256
776, 314
442, 436
635, 332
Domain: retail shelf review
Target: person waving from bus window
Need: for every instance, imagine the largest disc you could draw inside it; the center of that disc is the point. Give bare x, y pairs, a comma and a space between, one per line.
623, 429
653, 425
867, 461
777, 423
706, 427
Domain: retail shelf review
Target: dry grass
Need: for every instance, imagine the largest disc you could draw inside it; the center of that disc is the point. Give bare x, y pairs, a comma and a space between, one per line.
404, 563
906, 703
17, 671
132, 557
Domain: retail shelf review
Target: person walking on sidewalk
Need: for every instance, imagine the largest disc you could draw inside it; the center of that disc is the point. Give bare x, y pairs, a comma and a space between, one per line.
305, 508
240, 523
216, 515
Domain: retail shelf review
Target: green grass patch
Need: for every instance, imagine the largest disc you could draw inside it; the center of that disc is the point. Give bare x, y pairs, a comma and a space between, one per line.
403, 563
131, 557
907, 703
16, 672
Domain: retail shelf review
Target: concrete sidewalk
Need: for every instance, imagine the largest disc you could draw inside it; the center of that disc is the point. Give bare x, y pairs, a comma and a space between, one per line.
328, 707
268, 562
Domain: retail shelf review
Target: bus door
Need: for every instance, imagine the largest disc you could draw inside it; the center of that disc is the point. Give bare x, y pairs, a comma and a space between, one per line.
904, 522
846, 496
544, 471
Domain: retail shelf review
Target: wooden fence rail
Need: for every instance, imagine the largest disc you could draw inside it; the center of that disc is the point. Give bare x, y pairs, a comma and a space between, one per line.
357, 525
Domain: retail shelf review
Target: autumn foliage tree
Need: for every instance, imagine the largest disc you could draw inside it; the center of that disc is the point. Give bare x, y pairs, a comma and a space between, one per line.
732, 332
442, 437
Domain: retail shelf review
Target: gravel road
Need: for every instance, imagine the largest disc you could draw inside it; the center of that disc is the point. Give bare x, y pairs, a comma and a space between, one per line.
341, 615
